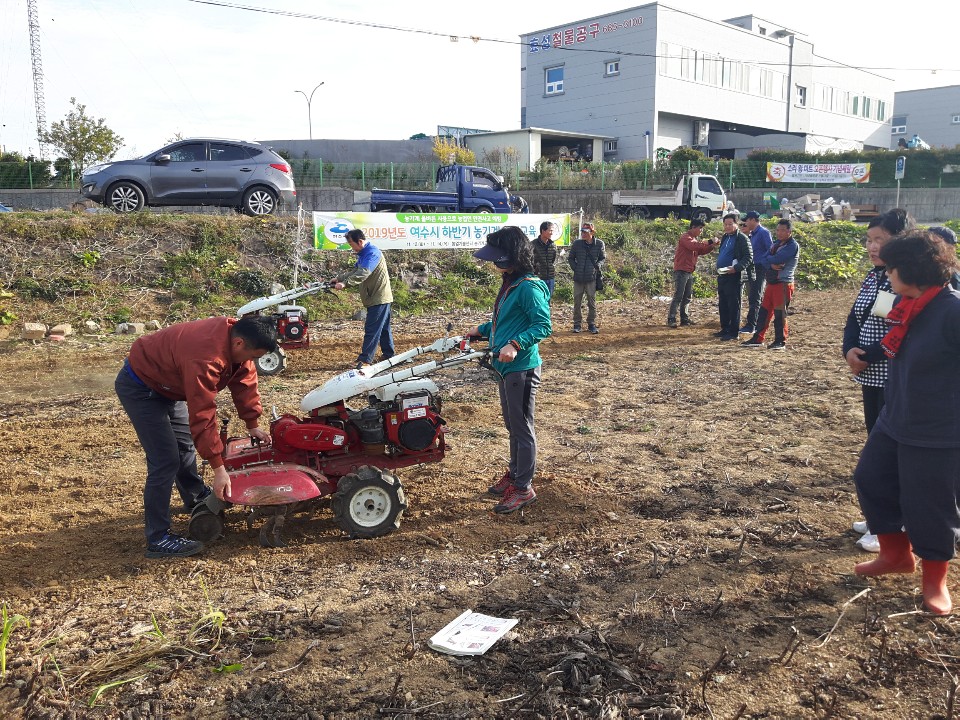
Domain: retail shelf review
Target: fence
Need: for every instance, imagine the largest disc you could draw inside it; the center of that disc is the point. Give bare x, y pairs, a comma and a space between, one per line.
639, 175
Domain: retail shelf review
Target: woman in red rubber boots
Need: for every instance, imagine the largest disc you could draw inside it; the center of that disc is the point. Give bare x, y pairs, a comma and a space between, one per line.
908, 477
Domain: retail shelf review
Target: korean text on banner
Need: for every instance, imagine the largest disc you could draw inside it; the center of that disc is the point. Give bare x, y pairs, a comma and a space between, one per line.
428, 231
818, 173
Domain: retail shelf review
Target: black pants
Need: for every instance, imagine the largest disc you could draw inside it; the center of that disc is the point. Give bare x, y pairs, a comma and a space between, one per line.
163, 427
754, 298
729, 297
518, 396
872, 405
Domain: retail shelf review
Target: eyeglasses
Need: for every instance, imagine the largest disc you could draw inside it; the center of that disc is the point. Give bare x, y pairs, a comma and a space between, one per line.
743, 224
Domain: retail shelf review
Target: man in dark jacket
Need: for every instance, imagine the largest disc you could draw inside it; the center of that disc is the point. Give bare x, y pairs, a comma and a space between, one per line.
545, 256
586, 256
734, 268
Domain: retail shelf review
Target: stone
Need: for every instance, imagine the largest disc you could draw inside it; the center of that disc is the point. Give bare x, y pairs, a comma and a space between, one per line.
120, 329
91, 327
152, 325
360, 315
33, 331
136, 328
62, 329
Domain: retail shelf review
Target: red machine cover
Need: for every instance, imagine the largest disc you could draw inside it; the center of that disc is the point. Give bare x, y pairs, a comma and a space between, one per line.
279, 484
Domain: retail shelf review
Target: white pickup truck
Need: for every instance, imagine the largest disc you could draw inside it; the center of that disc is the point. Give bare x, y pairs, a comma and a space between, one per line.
694, 195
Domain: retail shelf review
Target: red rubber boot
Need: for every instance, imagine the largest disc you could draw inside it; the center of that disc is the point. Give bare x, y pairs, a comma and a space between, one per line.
936, 597
896, 556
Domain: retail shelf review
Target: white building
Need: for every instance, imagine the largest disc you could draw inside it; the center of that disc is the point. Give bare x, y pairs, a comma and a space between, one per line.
931, 113
654, 77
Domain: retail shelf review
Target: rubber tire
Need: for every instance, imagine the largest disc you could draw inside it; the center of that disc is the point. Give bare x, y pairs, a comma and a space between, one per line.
410, 209
271, 363
369, 503
259, 201
131, 197
205, 526
483, 210
642, 212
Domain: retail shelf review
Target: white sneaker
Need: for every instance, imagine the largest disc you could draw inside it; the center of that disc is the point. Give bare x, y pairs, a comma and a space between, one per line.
870, 543
860, 526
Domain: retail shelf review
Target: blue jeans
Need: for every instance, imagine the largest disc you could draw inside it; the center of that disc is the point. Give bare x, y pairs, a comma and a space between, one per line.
163, 427
550, 284
376, 331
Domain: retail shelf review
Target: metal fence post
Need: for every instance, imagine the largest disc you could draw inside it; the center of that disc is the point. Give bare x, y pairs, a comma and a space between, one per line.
30, 173
321, 171
603, 170
391, 176
363, 176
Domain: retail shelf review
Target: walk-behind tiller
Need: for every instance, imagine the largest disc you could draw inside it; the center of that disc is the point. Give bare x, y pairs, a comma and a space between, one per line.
335, 450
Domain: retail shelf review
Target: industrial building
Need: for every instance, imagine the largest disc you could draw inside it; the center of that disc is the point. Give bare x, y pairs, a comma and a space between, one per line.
652, 78
931, 113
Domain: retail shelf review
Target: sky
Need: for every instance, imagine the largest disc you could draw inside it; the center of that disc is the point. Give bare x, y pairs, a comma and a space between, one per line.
153, 69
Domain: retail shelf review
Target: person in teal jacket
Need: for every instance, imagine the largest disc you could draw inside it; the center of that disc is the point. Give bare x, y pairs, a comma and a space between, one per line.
521, 319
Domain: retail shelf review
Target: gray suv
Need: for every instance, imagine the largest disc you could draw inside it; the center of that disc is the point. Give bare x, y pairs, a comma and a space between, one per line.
197, 171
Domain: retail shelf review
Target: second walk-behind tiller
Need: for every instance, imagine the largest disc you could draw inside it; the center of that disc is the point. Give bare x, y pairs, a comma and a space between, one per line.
335, 450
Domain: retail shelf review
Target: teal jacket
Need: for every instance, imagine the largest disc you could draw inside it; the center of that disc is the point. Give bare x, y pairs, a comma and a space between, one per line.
521, 314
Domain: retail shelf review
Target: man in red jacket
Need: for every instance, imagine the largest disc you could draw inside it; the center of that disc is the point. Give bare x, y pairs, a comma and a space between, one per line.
684, 263
168, 387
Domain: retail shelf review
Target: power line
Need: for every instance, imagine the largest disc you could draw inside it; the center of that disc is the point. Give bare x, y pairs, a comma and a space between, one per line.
478, 39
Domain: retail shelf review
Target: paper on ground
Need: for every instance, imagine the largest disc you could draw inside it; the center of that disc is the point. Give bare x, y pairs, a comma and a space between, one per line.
470, 634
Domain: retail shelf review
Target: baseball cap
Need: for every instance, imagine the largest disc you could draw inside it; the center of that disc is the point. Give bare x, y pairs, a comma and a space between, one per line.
752, 215
945, 233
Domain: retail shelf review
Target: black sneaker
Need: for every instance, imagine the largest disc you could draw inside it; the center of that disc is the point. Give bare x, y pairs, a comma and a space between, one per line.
688, 321
594, 329
752, 343
173, 546
778, 345
672, 324
576, 328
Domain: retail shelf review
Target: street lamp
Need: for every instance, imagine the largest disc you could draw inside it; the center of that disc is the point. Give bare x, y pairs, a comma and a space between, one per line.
309, 99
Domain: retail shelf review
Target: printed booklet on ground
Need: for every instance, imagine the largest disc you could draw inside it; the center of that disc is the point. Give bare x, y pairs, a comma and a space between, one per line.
470, 634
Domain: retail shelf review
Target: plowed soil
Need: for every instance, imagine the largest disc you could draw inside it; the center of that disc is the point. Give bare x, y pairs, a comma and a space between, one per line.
690, 554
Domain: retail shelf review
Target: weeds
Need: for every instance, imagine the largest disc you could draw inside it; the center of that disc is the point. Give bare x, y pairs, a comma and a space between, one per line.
10, 623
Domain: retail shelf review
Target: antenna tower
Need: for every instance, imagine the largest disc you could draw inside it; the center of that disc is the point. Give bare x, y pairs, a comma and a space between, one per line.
38, 100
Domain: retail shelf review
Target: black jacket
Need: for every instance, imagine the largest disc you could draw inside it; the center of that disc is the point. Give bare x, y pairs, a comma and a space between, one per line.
545, 259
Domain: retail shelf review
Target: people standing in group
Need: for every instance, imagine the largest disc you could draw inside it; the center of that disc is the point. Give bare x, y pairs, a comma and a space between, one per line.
760, 241
865, 328
586, 257
521, 319
545, 255
168, 387
908, 476
371, 274
779, 263
689, 248
734, 268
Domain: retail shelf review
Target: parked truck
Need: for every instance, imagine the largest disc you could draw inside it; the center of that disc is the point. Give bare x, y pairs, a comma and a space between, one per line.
459, 188
693, 195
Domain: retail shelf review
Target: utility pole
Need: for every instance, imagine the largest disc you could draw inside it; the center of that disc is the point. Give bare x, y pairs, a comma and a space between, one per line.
38, 100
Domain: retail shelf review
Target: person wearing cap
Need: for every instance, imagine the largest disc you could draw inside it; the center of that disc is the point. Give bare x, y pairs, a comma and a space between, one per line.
950, 238
521, 319
780, 263
684, 263
370, 273
545, 255
586, 256
760, 240
168, 387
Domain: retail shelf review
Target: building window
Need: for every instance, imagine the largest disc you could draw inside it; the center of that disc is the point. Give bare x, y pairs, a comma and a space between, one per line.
554, 81
609, 146
801, 96
955, 120
898, 129
881, 110
612, 68
866, 107
898, 125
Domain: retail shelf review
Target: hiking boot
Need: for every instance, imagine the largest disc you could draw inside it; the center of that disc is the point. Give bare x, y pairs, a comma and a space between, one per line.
778, 345
672, 324
173, 546
514, 499
752, 343
594, 329
499, 488
576, 328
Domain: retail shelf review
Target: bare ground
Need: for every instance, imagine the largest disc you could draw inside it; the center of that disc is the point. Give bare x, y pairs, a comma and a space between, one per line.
690, 554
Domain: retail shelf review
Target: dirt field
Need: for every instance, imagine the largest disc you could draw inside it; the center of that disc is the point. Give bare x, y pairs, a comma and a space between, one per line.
690, 554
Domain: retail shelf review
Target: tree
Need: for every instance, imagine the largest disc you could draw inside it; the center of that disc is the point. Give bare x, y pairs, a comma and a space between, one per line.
82, 139
448, 151
418, 136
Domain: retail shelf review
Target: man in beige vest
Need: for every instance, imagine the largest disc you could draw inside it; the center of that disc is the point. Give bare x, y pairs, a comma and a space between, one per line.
370, 273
